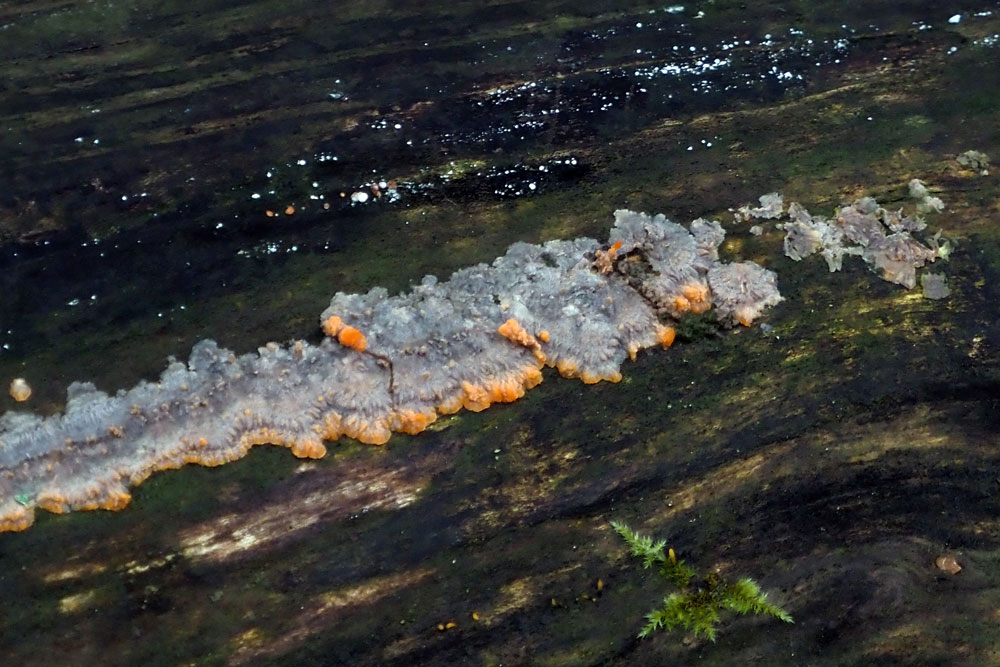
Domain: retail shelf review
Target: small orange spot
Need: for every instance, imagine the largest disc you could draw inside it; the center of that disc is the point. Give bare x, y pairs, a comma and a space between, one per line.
269, 213
543, 336
515, 333
698, 296
352, 338
695, 292
309, 449
665, 335
475, 399
681, 304
117, 500
289, 210
604, 260
53, 502
413, 422
332, 326
20, 390
512, 330
16, 519
566, 368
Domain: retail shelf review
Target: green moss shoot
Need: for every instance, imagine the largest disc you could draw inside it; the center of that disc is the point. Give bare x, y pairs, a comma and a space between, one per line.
695, 606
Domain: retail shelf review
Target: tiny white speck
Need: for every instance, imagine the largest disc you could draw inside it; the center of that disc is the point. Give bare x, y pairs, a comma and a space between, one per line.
955, 19
255, 196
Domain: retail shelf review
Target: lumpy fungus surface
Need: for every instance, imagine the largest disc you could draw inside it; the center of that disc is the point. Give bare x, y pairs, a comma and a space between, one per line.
479, 338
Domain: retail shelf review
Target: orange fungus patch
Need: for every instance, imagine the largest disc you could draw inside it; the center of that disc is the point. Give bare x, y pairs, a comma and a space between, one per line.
347, 336
20, 390
332, 326
515, 333
352, 338
698, 297
665, 335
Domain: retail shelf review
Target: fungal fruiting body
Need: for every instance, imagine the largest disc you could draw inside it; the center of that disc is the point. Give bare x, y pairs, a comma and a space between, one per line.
388, 363
20, 390
881, 237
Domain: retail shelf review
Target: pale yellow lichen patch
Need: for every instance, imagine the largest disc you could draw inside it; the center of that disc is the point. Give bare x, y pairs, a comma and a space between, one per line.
525, 592
72, 604
248, 640
74, 572
135, 567
799, 354
917, 433
720, 482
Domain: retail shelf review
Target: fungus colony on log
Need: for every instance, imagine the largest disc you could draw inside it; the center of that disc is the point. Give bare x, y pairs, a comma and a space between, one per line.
396, 363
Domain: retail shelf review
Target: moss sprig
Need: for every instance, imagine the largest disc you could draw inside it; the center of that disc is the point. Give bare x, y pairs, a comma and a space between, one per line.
695, 606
